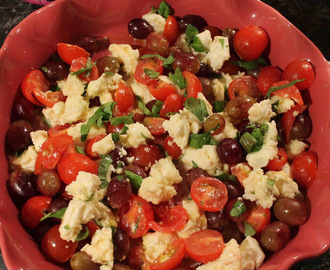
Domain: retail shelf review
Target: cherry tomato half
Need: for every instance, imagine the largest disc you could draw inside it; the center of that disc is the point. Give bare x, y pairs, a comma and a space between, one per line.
146, 155
173, 103
194, 85
80, 63
241, 171
161, 90
258, 217
153, 64
89, 146
58, 130
172, 148
245, 85
154, 124
70, 52
171, 29
278, 162
288, 92
304, 168
124, 97
267, 77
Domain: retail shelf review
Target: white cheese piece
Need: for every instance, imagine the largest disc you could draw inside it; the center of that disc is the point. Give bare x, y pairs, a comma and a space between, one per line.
257, 189
288, 170
136, 135
26, 161
167, 79
252, 255
294, 148
229, 131
230, 259
218, 88
218, 52
156, 21
286, 186
74, 131
196, 222
205, 38
208, 105
142, 91
155, 244
158, 186
261, 112
284, 104
104, 146
101, 248
268, 150
73, 86
126, 55
38, 138
195, 124
206, 158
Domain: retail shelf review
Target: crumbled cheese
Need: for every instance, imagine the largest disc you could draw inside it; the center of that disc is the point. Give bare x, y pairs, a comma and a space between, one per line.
218, 88
281, 104
182, 43
101, 248
261, 112
156, 21
286, 186
104, 146
208, 105
218, 52
158, 186
155, 244
288, 170
294, 148
195, 124
205, 38
229, 131
230, 259
268, 150
136, 135
38, 138
26, 161
196, 222
142, 91
167, 79
252, 255
206, 158
74, 131
73, 86
126, 55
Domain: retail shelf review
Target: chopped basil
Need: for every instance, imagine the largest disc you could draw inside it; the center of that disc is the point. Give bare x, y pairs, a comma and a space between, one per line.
109, 73
250, 65
104, 165
87, 68
178, 78
44, 69
55, 88
58, 214
164, 9
79, 150
90, 197
248, 230
124, 119
194, 164
135, 179
83, 233
166, 61
270, 182
124, 130
198, 140
238, 209
218, 106
156, 108
197, 45
225, 176
115, 137
142, 106
274, 105
273, 89
191, 32
222, 42
252, 142
151, 73
67, 227
197, 107
247, 141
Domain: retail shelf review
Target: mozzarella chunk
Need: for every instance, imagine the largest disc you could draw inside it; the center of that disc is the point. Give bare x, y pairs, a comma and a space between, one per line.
218, 52
156, 21
136, 135
294, 148
208, 105
142, 91
158, 186
126, 55
229, 259
38, 138
288, 170
286, 186
196, 222
26, 161
268, 150
206, 158
195, 124
229, 131
73, 86
261, 112
167, 79
218, 88
281, 104
101, 248
252, 255
104, 146
75, 132
155, 244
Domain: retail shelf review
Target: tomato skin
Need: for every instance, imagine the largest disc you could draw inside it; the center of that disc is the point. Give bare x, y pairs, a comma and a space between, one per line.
304, 167
245, 85
55, 248
124, 97
154, 125
33, 210
278, 162
161, 90
172, 103
288, 119
288, 92
70, 52
163, 208
209, 193
205, 246
154, 64
172, 148
267, 77
92, 228
258, 217
250, 42
241, 171
171, 29
58, 130
49, 99
146, 155
80, 63
194, 85
89, 146
70, 165
172, 222
297, 70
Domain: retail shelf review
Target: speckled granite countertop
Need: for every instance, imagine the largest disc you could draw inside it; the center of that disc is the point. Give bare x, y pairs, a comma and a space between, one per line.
310, 16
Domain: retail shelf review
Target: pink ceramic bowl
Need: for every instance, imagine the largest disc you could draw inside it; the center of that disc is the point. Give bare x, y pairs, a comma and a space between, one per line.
33, 40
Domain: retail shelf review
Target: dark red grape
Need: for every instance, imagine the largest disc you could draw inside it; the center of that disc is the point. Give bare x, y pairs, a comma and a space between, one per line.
230, 33
57, 204
93, 44
139, 28
203, 71
82, 261
122, 243
94, 102
158, 43
216, 220
195, 20
174, 50
182, 191
290, 211
39, 123
119, 192
48, 182
18, 135
118, 157
206, 86
215, 31
120, 266
302, 127
232, 231
230, 151
102, 43
39, 232
55, 71
275, 236
23, 109
193, 174
186, 61
107, 64
136, 169
228, 67
234, 189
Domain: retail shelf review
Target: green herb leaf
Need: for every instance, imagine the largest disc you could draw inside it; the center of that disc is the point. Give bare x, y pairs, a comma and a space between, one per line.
164, 9
58, 214
153, 10
194, 164
104, 165
79, 150
178, 78
248, 230
156, 108
225, 176
115, 137
151, 73
90, 197
135, 179
247, 141
124, 130
270, 182
222, 42
191, 32
197, 107
124, 119
55, 88
197, 45
250, 65
44, 69
198, 140
168, 61
218, 106
238, 209
83, 233
152, 56
87, 68
273, 89
109, 73
142, 106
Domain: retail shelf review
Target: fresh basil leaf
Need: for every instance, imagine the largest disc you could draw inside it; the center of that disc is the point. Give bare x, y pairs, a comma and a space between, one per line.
168, 61
104, 165
84, 129
225, 176
218, 106
142, 106
135, 179
79, 150
197, 107
247, 141
153, 10
273, 89
238, 209
198, 140
58, 214
248, 230
178, 78
197, 45
222, 42
120, 177
151, 73
191, 32
156, 108
250, 65
87, 68
270, 182
124, 130
115, 137
124, 119
152, 56
55, 88
109, 73
83, 233
44, 69
164, 9
194, 164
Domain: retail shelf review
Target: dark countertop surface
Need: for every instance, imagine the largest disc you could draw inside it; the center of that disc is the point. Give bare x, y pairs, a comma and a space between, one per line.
310, 16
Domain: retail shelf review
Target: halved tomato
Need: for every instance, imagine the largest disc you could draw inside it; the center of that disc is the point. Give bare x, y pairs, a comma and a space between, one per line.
153, 64
288, 92
171, 29
258, 217
86, 72
194, 85
155, 125
161, 90
172, 104
277, 163
70, 52
124, 97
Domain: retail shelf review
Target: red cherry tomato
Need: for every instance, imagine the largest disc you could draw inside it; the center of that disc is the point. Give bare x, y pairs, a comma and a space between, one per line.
155, 125
114, 129
171, 29
58, 130
278, 162
250, 42
89, 146
154, 64
173, 103
70, 165
163, 208
258, 217
172, 222
267, 77
124, 98
209, 193
49, 98
241, 171
176, 252
229, 207
194, 85
51, 152
161, 90
304, 168
146, 155
92, 228
297, 70
33, 210
136, 258
172, 148
245, 85
288, 119
288, 92
135, 216
69, 52
55, 248
81, 62
205, 246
